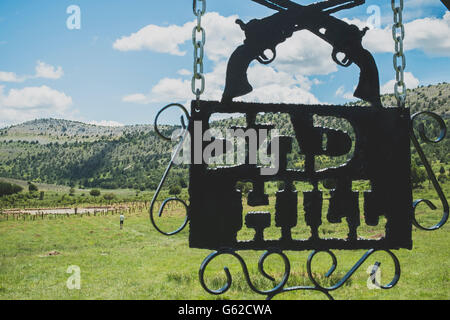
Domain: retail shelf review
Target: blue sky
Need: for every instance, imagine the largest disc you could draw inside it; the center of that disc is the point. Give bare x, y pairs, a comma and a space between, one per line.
132, 57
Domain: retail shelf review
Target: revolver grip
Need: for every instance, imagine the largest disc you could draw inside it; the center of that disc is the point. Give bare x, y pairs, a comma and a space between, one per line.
369, 81
237, 84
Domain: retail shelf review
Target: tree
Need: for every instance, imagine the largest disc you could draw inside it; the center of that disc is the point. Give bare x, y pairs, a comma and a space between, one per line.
32, 187
95, 192
182, 183
109, 196
7, 189
244, 187
442, 178
418, 175
174, 190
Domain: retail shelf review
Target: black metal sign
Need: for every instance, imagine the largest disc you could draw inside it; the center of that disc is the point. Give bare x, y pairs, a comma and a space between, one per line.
381, 156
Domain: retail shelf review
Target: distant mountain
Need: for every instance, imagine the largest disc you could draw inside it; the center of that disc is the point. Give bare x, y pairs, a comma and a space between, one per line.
50, 130
72, 153
77, 154
435, 98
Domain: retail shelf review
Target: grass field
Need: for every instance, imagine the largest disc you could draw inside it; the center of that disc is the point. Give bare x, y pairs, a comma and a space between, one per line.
139, 263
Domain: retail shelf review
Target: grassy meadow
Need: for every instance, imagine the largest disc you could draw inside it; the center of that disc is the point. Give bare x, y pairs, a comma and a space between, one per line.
139, 263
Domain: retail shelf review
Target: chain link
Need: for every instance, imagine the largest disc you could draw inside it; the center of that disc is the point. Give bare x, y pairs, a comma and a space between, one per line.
398, 34
198, 40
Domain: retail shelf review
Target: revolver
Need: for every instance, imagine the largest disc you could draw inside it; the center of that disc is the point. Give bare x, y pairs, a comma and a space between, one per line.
263, 35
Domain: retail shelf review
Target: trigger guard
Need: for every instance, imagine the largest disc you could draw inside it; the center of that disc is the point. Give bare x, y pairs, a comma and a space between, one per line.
263, 58
341, 63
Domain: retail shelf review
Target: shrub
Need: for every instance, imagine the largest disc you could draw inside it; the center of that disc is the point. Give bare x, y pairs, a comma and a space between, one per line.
174, 190
109, 196
182, 183
95, 192
244, 187
418, 175
32, 187
7, 189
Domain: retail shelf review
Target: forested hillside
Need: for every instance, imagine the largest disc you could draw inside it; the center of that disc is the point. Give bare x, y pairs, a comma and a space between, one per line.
132, 160
76, 154
51, 130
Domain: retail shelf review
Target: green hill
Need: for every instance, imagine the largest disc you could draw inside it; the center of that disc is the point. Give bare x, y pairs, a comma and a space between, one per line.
51, 130
76, 154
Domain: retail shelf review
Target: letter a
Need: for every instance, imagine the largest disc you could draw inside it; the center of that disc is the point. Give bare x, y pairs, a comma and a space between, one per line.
74, 21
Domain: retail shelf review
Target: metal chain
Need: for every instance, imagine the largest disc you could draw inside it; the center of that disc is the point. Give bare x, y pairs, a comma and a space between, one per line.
198, 79
398, 33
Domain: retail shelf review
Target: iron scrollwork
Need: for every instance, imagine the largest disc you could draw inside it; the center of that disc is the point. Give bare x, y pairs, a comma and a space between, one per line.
182, 138
429, 169
281, 288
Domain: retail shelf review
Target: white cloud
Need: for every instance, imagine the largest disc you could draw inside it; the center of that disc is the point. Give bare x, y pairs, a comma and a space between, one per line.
411, 83
29, 103
349, 96
156, 38
10, 77
171, 89
227, 35
281, 94
287, 79
304, 55
429, 35
269, 85
46, 71
136, 98
34, 97
43, 71
340, 92
106, 123
184, 72
223, 36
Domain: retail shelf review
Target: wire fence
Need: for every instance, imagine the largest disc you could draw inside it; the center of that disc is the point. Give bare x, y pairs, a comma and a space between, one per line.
33, 214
